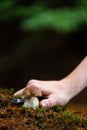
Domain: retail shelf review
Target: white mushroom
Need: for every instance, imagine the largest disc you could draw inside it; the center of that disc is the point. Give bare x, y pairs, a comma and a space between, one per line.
31, 102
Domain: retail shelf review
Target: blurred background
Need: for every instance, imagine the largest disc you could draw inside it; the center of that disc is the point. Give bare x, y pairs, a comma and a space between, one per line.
41, 39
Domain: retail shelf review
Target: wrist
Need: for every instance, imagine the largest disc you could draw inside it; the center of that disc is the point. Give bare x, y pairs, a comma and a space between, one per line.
72, 87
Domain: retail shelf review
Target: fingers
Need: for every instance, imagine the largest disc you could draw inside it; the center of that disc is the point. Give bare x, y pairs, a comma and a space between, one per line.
48, 103
29, 91
19, 93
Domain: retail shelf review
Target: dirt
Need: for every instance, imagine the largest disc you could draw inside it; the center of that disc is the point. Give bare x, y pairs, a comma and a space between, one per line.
16, 117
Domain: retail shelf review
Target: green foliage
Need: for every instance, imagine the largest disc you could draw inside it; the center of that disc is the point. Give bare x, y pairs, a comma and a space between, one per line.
57, 108
24, 108
75, 118
68, 114
84, 122
63, 19
6, 91
11, 91
6, 8
43, 109
38, 16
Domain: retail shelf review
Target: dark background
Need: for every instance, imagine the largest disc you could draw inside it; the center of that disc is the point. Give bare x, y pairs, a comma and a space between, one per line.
56, 56
44, 53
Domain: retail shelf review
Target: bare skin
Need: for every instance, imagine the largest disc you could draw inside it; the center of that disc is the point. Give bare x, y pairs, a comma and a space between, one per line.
58, 92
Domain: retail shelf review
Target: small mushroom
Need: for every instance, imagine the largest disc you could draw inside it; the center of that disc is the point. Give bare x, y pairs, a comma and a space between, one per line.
31, 102
28, 99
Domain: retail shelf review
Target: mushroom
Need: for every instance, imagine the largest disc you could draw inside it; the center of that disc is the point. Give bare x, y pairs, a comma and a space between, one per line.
28, 98
31, 102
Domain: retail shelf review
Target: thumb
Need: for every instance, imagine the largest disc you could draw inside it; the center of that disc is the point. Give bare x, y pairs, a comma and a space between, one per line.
48, 103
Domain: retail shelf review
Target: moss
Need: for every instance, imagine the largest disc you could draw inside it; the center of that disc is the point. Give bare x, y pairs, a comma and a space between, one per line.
15, 116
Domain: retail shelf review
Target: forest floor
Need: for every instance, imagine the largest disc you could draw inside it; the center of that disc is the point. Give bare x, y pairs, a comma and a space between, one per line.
16, 117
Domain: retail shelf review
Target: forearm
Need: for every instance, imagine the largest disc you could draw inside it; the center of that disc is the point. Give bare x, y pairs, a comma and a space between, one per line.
77, 79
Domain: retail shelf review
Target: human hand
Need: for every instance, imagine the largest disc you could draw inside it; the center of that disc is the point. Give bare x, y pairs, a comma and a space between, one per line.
54, 92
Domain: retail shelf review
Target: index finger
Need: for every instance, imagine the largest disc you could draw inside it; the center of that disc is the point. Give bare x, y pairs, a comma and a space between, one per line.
19, 93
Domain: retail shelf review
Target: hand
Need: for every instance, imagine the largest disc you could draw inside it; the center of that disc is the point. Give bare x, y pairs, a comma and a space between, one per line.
54, 92
58, 92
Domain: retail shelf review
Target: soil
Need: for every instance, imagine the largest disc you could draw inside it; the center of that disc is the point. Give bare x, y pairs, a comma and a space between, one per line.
16, 117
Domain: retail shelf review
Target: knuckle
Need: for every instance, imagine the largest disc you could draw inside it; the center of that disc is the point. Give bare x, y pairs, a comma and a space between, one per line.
31, 81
